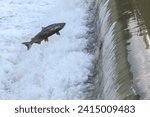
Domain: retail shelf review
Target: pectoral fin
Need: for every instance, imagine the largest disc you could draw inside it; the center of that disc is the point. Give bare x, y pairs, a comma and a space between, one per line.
46, 39
58, 33
39, 42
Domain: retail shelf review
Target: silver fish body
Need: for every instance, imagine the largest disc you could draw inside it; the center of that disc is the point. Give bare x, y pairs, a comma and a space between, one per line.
44, 34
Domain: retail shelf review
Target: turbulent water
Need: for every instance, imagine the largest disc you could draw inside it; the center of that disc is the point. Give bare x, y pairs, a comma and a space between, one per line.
122, 55
53, 70
103, 51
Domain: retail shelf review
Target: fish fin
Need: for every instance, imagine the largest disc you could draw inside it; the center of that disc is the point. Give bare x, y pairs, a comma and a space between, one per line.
58, 33
28, 44
43, 28
39, 42
46, 39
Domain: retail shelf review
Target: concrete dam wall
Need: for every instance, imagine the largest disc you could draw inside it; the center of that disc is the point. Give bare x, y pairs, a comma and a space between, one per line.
119, 40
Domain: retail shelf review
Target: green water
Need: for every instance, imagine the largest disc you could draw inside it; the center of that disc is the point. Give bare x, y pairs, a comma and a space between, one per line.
144, 8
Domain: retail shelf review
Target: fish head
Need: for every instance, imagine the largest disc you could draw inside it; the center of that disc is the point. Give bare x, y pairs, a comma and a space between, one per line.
62, 24
59, 26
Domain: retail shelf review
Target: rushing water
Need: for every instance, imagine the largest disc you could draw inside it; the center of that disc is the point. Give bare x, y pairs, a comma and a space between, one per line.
122, 55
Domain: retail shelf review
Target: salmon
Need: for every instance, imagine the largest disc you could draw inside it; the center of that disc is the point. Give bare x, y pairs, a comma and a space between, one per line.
44, 34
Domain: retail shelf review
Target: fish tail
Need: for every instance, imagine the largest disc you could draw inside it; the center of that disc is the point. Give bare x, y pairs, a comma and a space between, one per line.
28, 44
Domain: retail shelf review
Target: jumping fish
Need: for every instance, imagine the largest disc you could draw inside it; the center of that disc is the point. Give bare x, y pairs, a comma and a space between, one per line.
44, 34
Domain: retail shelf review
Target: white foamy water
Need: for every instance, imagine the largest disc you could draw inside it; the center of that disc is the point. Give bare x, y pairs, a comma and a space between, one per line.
52, 70
139, 58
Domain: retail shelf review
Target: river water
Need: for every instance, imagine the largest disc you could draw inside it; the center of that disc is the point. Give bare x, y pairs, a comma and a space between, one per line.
121, 45
116, 61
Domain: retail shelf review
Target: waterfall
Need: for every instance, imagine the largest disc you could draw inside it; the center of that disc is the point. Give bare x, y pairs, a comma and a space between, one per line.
117, 72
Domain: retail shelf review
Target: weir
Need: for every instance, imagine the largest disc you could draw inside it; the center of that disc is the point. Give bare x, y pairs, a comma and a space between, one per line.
113, 39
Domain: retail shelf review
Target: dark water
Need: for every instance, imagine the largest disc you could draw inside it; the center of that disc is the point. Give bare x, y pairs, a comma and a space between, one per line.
144, 8
121, 48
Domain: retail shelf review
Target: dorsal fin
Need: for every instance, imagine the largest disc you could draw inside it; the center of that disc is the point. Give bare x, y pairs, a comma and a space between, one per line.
43, 28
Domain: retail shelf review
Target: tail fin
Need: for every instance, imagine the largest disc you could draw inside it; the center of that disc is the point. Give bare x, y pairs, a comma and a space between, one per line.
28, 44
